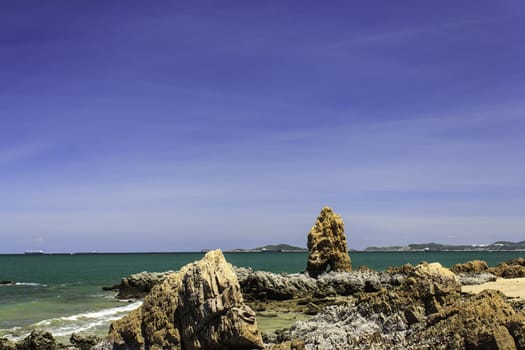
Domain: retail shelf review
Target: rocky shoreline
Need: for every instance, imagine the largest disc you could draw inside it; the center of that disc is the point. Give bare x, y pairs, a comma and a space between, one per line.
210, 305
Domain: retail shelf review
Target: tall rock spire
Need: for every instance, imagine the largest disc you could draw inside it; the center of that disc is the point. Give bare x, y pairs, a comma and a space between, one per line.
327, 245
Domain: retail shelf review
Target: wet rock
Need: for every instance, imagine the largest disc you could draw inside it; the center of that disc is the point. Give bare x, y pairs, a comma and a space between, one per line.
38, 340
84, 341
327, 245
199, 307
8, 283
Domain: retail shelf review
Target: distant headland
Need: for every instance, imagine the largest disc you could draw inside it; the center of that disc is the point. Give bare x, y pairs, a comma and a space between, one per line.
438, 247
271, 248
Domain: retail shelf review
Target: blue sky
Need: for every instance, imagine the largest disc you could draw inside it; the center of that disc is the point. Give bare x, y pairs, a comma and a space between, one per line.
175, 126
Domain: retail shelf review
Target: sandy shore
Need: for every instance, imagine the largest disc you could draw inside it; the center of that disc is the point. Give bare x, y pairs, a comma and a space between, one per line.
511, 287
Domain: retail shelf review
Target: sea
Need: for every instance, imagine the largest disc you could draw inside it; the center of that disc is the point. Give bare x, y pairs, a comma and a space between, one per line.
62, 293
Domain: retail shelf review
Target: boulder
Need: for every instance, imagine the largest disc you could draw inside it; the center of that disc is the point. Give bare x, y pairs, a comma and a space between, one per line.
514, 268
8, 283
84, 341
138, 285
327, 245
198, 307
38, 340
473, 266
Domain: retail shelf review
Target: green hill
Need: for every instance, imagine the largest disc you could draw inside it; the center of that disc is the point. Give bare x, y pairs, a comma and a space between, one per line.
280, 247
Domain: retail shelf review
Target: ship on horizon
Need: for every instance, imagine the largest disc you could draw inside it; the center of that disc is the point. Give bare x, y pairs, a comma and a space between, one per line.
34, 252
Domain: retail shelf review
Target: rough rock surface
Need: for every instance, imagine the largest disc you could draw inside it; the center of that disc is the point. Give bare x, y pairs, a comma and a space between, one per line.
199, 307
514, 268
261, 285
473, 266
426, 311
38, 340
6, 344
327, 245
138, 285
83, 341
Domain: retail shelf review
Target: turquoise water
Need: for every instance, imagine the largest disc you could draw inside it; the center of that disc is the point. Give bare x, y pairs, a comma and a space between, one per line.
63, 293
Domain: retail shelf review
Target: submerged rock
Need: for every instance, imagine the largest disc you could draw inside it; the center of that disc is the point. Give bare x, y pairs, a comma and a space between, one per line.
327, 245
199, 307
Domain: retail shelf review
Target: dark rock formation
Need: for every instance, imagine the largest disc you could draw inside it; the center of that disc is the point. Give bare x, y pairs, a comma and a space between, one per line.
427, 311
138, 285
7, 283
38, 340
327, 245
83, 341
199, 307
261, 285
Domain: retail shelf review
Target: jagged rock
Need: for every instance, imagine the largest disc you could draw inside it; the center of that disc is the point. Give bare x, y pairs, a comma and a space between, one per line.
84, 341
6, 344
426, 311
327, 245
261, 285
138, 285
514, 268
38, 340
199, 307
473, 266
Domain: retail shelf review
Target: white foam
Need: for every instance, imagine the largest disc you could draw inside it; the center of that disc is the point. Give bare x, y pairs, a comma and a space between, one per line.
87, 321
34, 284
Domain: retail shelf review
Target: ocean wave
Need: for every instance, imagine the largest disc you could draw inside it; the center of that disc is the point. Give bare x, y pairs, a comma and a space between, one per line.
64, 326
30, 284
33, 284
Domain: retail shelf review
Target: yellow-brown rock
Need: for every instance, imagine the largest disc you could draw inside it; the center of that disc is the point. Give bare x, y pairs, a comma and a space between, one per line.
327, 245
199, 307
473, 266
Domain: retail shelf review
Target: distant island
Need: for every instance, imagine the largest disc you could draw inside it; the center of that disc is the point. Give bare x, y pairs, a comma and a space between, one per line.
438, 247
280, 248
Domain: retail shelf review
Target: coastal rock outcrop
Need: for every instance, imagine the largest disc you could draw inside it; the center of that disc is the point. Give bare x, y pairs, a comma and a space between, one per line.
262, 285
38, 340
514, 268
427, 311
327, 245
198, 307
138, 285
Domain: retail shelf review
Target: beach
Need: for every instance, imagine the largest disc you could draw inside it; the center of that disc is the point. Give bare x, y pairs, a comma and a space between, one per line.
511, 287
